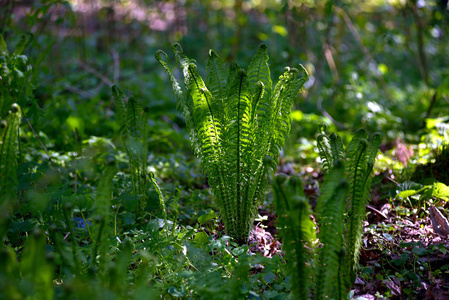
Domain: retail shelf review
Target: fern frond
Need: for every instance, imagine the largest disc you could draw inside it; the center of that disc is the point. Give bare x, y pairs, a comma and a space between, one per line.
287, 101
296, 228
354, 144
120, 109
330, 184
357, 169
103, 197
181, 103
257, 175
361, 166
337, 149
209, 131
238, 148
329, 279
283, 97
259, 71
133, 111
324, 149
161, 197
373, 147
132, 130
8, 156
102, 210
330, 149
217, 75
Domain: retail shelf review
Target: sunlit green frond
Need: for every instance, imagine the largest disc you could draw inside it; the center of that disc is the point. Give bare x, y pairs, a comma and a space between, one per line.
208, 131
324, 148
227, 105
283, 97
356, 171
259, 71
217, 75
337, 148
181, 102
359, 168
354, 144
257, 174
238, 136
330, 149
287, 101
373, 147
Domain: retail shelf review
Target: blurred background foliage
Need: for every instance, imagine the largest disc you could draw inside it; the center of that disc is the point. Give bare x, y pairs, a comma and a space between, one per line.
379, 64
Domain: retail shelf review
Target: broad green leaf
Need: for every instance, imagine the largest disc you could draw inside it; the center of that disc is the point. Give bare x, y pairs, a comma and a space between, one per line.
206, 217
407, 193
440, 190
201, 239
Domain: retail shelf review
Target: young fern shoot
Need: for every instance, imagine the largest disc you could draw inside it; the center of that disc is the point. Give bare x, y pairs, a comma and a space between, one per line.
129, 116
296, 229
133, 122
359, 159
234, 120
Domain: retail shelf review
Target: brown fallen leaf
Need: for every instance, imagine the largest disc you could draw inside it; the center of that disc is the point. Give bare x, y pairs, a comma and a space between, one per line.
395, 289
439, 222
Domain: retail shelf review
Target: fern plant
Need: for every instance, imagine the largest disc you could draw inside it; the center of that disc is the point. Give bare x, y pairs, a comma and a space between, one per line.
347, 180
9, 130
330, 280
314, 270
360, 157
235, 119
296, 229
133, 130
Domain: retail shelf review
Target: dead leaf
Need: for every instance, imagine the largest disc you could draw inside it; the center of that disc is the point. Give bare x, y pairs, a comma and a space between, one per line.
439, 222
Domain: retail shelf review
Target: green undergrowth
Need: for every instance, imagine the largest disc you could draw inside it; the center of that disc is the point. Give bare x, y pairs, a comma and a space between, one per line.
102, 197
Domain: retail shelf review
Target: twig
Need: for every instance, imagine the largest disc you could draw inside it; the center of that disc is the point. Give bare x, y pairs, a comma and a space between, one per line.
376, 211
331, 62
365, 50
327, 115
78, 91
422, 61
95, 72
116, 59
